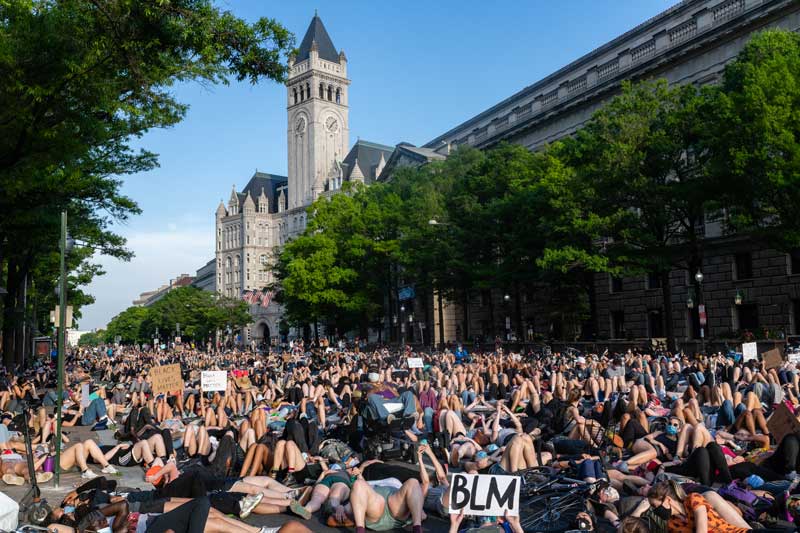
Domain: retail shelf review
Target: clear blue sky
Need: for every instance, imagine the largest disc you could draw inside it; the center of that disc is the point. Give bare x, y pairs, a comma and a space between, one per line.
417, 70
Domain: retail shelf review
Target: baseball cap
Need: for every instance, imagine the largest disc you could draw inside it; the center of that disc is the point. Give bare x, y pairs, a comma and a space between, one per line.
481, 455
492, 448
581, 360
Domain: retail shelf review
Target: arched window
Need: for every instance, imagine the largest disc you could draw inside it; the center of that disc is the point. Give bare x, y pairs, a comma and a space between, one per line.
228, 262
338, 96
321, 91
236, 262
302, 94
308, 90
330, 93
294, 91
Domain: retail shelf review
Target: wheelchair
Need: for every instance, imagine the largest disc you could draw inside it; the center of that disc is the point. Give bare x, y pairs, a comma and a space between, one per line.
387, 441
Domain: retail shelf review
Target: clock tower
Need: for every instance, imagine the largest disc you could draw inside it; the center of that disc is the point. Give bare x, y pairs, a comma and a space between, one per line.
317, 109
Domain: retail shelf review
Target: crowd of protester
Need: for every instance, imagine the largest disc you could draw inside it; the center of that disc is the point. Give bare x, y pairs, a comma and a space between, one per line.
669, 442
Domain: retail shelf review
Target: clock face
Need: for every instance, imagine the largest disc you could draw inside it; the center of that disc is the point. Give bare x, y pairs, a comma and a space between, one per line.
331, 124
300, 126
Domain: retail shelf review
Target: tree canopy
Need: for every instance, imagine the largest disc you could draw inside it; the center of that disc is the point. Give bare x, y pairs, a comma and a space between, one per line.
79, 81
629, 194
195, 313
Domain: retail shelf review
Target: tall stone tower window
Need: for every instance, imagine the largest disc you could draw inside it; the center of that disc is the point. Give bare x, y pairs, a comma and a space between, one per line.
338, 96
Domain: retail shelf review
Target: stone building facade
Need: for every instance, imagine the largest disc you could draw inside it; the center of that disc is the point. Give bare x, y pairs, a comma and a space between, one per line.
690, 42
271, 209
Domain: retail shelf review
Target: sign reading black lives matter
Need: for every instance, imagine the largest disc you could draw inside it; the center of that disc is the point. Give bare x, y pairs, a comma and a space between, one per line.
484, 495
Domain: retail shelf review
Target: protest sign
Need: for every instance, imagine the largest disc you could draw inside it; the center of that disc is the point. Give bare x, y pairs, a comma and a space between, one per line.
749, 351
484, 495
415, 362
782, 422
214, 380
772, 359
85, 395
166, 378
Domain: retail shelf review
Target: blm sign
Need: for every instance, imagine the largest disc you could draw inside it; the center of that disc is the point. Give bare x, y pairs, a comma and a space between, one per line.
484, 495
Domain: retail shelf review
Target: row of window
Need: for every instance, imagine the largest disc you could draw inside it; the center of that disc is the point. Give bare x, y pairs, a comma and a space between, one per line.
745, 317
742, 270
300, 93
230, 237
261, 206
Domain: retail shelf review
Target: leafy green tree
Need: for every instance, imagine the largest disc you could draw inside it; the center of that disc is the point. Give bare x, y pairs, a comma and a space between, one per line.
639, 191
755, 139
128, 326
197, 313
93, 338
334, 270
83, 78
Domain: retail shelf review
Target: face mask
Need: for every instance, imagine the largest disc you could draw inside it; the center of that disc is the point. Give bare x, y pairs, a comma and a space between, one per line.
105, 530
664, 513
672, 430
69, 508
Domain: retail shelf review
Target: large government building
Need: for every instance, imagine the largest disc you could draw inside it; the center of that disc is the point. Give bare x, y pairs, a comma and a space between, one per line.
744, 286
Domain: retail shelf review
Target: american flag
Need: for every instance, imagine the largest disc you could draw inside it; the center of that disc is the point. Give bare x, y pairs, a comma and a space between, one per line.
245, 296
255, 296
266, 297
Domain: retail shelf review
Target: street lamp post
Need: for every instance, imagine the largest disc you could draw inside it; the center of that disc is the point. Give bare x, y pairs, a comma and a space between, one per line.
402, 327
701, 310
62, 326
434, 222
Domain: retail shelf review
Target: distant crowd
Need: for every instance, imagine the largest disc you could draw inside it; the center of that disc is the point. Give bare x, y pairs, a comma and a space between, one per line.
372, 440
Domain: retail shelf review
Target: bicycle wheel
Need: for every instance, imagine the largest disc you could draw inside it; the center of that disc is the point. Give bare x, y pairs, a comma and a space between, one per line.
550, 513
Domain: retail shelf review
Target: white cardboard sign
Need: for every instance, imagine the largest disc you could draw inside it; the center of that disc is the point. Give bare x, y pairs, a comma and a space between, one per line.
415, 362
214, 380
85, 401
749, 351
484, 495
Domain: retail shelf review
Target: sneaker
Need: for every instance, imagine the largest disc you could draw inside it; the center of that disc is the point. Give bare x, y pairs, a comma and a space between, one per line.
299, 510
248, 503
390, 419
13, 479
88, 474
43, 477
109, 470
622, 466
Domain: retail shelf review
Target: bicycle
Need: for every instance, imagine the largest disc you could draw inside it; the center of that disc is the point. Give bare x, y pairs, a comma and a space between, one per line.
553, 502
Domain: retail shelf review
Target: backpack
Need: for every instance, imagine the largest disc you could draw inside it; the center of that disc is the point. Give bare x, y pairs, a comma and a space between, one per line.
748, 502
559, 416
335, 451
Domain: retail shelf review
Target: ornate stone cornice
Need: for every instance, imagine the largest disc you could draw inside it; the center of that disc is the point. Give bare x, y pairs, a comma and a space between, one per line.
688, 29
